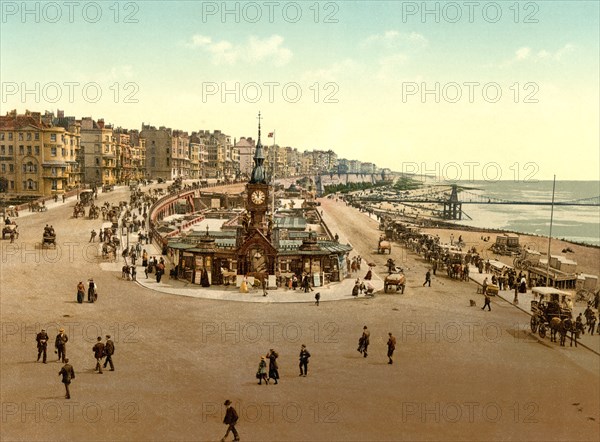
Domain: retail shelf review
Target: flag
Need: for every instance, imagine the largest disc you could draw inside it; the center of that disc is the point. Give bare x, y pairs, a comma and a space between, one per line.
271, 134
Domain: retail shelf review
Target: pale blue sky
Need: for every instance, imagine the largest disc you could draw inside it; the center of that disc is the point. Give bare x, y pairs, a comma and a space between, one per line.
372, 57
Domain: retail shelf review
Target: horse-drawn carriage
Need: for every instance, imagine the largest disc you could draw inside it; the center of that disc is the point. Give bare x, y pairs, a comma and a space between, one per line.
396, 281
78, 210
8, 229
108, 188
551, 308
384, 245
94, 212
49, 239
86, 197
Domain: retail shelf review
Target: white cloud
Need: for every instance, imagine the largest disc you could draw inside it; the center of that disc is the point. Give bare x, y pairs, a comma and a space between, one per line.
255, 50
332, 72
523, 53
390, 66
526, 54
394, 39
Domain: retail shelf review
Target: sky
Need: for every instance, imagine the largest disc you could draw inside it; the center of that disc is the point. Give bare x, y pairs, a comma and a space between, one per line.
464, 90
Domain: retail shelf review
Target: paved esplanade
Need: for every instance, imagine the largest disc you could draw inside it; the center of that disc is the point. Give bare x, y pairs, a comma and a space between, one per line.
459, 373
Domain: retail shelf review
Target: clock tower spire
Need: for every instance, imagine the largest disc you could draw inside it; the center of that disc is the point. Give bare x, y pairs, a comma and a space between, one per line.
258, 188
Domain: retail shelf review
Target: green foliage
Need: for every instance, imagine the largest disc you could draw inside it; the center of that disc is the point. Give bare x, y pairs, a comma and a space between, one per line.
406, 183
352, 187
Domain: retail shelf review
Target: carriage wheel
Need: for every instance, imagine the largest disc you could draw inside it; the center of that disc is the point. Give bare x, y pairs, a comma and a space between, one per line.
402, 289
534, 324
542, 331
385, 288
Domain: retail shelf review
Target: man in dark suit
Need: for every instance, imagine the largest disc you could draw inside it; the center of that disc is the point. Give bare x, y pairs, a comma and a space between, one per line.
109, 350
391, 343
42, 344
68, 374
304, 355
363, 341
98, 350
231, 418
61, 345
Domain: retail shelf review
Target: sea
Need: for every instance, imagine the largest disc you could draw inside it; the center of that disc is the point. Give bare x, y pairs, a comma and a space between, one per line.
579, 224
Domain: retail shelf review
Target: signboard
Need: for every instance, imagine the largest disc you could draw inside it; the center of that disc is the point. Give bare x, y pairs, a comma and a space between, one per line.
316, 279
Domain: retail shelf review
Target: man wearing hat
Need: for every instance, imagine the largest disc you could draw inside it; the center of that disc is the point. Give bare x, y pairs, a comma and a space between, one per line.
231, 418
273, 367
304, 355
109, 350
98, 350
68, 374
61, 344
363, 341
391, 343
42, 344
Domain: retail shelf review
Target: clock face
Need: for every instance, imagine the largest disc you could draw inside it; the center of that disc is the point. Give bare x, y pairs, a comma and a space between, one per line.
258, 197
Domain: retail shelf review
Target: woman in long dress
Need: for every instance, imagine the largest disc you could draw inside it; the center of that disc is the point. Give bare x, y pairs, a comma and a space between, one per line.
244, 285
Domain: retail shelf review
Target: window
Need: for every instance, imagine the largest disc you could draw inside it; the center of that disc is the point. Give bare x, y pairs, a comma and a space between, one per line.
37, 150
3, 150
53, 171
28, 150
20, 136
11, 167
21, 150
28, 136
11, 184
54, 184
2, 136
3, 168
10, 136
97, 161
168, 162
53, 151
37, 136
64, 152
10, 150
52, 137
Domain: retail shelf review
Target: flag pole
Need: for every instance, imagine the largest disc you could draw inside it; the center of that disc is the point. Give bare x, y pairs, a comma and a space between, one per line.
550, 235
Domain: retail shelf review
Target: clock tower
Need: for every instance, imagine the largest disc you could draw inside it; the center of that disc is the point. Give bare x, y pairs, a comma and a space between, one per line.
257, 188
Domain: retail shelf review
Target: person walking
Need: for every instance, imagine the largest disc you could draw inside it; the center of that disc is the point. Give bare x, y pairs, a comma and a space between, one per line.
484, 285
68, 374
98, 350
487, 303
80, 292
60, 343
262, 371
109, 350
363, 341
427, 278
304, 356
273, 367
230, 419
317, 298
92, 236
92, 290
42, 344
391, 344
591, 323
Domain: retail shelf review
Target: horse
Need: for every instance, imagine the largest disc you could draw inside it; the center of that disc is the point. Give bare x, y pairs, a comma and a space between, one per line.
556, 326
383, 246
